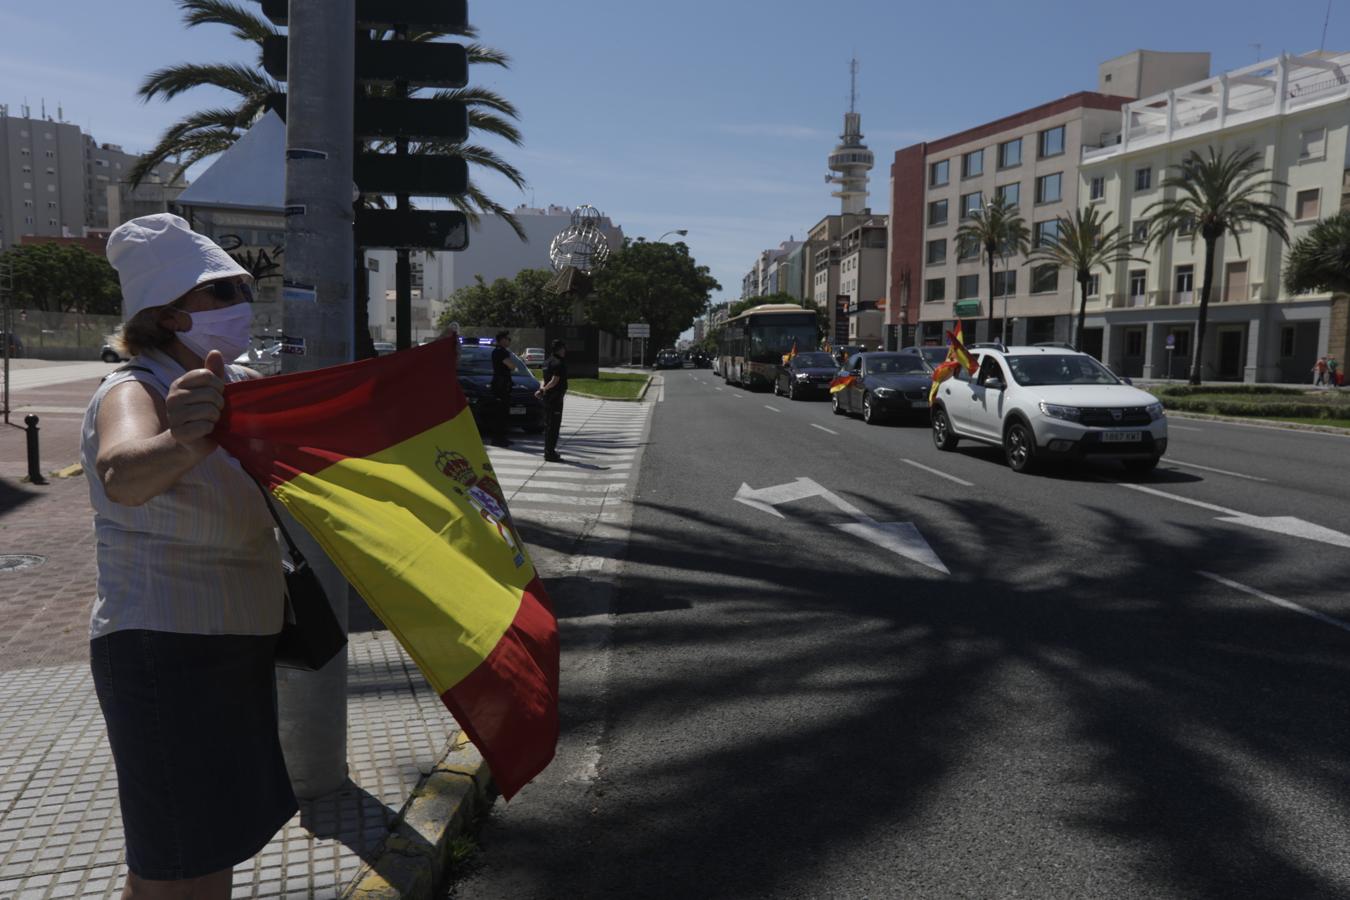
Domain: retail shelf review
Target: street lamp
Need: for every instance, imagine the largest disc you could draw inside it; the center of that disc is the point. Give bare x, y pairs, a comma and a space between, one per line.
680, 231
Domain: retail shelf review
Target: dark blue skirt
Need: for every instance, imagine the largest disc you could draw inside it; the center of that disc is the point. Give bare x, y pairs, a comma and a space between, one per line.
192, 720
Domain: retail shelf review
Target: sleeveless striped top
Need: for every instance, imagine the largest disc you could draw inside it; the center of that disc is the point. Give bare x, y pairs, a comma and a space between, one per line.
200, 558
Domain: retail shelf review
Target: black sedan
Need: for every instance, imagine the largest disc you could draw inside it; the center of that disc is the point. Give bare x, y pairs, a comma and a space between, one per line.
475, 379
884, 386
806, 375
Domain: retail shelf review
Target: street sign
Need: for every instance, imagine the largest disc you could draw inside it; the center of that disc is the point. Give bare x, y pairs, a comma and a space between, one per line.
426, 229
420, 63
1171, 342
418, 175
438, 15
639, 330
389, 117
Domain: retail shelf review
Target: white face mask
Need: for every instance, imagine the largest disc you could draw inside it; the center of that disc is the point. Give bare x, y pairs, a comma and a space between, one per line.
226, 329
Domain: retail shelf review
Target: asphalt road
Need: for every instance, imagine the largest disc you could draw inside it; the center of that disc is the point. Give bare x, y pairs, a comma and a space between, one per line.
1123, 687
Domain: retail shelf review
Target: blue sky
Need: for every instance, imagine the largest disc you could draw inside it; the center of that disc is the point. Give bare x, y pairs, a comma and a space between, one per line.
711, 116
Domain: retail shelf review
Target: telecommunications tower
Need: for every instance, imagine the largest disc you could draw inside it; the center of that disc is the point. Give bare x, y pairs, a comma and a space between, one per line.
851, 160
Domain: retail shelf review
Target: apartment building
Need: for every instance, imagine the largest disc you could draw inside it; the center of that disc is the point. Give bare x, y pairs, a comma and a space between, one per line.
862, 278
55, 180
1294, 111
1030, 159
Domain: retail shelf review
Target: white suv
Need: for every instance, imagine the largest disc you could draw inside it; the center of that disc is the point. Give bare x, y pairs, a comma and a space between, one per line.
1041, 403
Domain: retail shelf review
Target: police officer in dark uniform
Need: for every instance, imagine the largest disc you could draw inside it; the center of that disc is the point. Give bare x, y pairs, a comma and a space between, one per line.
503, 366
552, 392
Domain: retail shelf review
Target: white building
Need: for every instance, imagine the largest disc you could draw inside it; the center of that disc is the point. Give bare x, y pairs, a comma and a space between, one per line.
1294, 111
495, 251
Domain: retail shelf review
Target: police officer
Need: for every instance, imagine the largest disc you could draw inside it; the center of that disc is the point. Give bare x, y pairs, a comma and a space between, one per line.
503, 367
552, 392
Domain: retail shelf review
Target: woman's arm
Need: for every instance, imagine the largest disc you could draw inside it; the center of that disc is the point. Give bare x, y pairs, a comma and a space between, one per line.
146, 443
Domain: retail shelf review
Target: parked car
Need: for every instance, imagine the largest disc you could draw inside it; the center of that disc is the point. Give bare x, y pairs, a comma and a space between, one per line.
806, 375
1046, 403
475, 379
668, 359
109, 354
885, 386
534, 356
384, 348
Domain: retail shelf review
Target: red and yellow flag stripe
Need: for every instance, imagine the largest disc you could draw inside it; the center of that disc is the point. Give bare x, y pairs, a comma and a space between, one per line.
382, 464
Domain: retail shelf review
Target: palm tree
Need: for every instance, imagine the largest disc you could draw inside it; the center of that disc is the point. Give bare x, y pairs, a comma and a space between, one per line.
1320, 260
1082, 244
211, 131
1212, 196
999, 232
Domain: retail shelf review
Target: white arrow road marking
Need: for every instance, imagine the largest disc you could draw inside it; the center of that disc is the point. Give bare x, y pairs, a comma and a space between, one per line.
1278, 524
1269, 598
901, 538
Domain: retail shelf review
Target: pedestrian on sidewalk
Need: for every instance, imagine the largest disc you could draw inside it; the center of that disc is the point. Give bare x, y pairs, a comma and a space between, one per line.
190, 588
1320, 372
1333, 371
552, 393
503, 368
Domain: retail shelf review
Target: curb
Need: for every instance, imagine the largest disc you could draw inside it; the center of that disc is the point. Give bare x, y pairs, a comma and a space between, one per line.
1260, 423
415, 858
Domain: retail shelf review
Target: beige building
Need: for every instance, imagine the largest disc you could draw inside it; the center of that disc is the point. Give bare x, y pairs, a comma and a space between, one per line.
1294, 111
862, 278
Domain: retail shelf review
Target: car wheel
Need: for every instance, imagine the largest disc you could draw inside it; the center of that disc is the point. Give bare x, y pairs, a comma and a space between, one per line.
1141, 466
834, 405
870, 415
110, 357
792, 390
1019, 446
943, 436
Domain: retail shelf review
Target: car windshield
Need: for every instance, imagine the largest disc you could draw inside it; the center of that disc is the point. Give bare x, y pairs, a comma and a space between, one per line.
816, 360
1059, 369
934, 355
895, 363
478, 361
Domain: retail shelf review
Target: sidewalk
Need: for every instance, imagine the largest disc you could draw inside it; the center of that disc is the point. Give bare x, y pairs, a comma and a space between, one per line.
60, 832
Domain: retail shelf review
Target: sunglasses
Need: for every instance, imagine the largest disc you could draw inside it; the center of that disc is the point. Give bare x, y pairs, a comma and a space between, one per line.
229, 290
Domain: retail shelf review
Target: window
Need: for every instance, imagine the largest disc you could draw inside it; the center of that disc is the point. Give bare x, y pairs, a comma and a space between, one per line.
1051, 142
51, 204
51, 221
1097, 188
51, 189
1134, 342
967, 249
51, 171
1143, 179
1045, 279
971, 203
1312, 144
1235, 282
28, 220
1005, 283
935, 289
1307, 205
1286, 341
1138, 282
27, 169
937, 212
28, 204
1046, 233
1185, 280
938, 173
25, 151
1011, 194
937, 251
972, 164
1094, 285
28, 185
1048, 188
1010, 154
1139, 231
967, 287
50, 154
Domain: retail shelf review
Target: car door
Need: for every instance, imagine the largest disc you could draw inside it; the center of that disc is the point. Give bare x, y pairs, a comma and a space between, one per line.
855, 389
955, 393
987, 398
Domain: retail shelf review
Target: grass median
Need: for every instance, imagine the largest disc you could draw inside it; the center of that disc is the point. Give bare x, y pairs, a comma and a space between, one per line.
610, 385
1263, 403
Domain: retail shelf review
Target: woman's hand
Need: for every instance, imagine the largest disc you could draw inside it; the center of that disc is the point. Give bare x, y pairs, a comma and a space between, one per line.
194, 403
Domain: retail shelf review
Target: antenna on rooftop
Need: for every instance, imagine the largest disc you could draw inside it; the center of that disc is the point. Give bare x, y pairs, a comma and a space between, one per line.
1325, 22
1257, 48
853, 85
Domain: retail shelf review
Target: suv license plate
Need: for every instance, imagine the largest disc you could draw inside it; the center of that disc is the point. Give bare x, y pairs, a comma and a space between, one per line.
1121, 437
517, 410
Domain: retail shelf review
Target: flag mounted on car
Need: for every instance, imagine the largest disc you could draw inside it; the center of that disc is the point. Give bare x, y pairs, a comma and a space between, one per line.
787, 357
382, 464
958, 357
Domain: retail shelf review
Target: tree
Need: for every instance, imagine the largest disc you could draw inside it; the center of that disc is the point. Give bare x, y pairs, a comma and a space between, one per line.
657, 283
520, 302
1082, 244
1212, 196
211, 131
999, 232
63, 278
1320, 260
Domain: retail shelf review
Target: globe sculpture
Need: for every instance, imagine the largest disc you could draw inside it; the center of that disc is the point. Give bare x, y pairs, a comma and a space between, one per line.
581, 245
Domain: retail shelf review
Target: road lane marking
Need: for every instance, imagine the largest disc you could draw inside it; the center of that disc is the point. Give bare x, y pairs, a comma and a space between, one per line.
919, 465
661, 392
1286, 430
718, 388
1171, 427
1269, 598
737, 396
1191, 465
824, 429
772, 408
1288, 525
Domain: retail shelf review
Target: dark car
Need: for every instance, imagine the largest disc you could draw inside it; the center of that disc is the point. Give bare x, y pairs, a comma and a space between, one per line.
669, 359
933, 356
475, 378
885, 386
845, 353
806, 375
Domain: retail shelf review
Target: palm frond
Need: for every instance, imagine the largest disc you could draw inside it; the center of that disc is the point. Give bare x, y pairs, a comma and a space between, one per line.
481, 156
246, 24
481, 55
236, 78
474, 202
1320, 260
481, 98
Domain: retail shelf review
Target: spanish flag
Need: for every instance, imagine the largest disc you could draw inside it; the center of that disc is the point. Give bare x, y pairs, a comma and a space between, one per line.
958, 357
382, 464
840, 382
787, 357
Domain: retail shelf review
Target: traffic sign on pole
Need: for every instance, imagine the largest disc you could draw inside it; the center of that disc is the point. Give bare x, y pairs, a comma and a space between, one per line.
639, 330
427, 229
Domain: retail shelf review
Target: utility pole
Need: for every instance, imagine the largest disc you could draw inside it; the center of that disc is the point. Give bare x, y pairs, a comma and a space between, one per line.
317, 309
403, 262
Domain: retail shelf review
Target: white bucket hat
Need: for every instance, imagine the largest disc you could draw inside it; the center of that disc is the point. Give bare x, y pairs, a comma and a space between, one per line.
160, 258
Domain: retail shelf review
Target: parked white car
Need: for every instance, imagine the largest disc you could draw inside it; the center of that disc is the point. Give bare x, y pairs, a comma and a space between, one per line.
533, 356
1046, 403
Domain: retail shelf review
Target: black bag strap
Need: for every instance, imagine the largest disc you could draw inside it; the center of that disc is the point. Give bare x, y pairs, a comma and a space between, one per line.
297, 557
